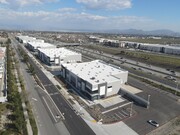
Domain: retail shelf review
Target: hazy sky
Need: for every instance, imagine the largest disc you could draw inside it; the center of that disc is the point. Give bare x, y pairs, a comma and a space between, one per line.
90, 14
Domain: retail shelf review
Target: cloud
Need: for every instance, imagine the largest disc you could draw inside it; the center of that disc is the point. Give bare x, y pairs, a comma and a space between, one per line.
106, 4
45, 20
67, 10
20, 3
3, 2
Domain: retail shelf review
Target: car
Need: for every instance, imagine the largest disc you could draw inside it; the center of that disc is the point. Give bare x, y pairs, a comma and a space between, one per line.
154, 123
57, 116
172, 71
170, 78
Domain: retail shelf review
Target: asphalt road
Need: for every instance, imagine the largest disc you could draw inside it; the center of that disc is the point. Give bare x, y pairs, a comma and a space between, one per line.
45, 124
74, 123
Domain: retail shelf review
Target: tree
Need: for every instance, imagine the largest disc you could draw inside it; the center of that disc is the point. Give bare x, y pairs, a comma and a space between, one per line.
31, 69
8, 41
25, 58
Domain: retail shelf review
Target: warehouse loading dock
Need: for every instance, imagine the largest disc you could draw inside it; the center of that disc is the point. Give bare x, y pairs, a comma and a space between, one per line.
130, 92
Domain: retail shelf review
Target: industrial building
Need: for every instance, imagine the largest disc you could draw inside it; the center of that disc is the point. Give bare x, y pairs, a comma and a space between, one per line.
33, 46
95, 79
26, 39
57, 56
128, 44
167, 49
172, 50
111, 43
3, 80
152, 47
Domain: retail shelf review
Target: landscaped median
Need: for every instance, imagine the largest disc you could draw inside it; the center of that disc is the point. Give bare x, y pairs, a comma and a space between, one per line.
29, 108
16, 123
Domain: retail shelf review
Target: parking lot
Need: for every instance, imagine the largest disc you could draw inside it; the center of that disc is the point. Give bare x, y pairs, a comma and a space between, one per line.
163, 107
118, 115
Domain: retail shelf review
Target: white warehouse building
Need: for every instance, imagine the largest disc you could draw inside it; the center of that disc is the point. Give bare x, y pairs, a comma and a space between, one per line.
33, 46
57, 56
26, 39
152, 47
3, 76
95, 79
172, 50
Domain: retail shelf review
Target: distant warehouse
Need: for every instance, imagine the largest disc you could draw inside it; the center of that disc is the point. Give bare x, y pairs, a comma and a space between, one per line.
172, 50
57, 56
160, 48
26, 39
95, 79
33, 46
3, 79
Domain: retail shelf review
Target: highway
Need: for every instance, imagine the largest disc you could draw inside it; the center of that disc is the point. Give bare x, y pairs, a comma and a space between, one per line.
75, 124
154, 73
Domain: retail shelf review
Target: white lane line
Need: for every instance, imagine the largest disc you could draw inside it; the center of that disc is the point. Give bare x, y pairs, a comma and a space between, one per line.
35, 99
49, 109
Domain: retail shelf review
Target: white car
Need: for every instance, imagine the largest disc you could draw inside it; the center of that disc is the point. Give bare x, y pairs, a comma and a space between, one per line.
154, 123
57, 116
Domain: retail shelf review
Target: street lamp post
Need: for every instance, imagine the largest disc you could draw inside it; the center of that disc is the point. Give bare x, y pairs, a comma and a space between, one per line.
130, 113
176, 87
148, 101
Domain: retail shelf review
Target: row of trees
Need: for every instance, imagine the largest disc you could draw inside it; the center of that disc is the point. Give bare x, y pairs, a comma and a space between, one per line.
18, 125
25, 59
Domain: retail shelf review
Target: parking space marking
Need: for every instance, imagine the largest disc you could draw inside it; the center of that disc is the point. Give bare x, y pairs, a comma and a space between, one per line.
117, 116
121, 114
125, 112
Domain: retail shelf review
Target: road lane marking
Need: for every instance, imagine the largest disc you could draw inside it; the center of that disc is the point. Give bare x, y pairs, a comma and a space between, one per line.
49, 109
34, 99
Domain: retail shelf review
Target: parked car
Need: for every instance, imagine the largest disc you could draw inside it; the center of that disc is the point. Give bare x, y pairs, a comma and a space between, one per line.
57, 116
172, 71
154, 123
170, 78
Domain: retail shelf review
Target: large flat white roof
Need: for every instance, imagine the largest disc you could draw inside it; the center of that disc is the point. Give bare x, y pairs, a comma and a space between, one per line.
26, 38
95, 72
30, 39
58, 52
41, 45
